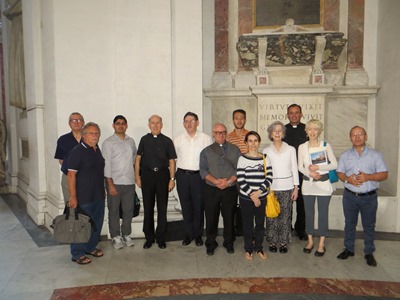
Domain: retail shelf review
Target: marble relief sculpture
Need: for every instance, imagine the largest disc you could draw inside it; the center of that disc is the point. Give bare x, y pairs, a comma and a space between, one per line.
291, 45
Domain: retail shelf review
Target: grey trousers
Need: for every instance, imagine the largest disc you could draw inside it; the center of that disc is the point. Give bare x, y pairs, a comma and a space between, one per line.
125, 199
323, 213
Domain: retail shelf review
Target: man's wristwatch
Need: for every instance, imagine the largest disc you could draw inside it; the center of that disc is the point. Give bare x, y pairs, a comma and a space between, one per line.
345, 181
172, 178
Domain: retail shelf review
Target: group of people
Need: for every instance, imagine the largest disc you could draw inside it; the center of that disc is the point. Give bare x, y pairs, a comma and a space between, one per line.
211, 177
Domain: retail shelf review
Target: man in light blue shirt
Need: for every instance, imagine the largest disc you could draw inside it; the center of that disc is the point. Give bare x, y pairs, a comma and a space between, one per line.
119, 151
361, 169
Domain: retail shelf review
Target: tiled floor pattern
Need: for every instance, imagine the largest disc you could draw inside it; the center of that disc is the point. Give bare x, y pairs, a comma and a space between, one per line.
33, 266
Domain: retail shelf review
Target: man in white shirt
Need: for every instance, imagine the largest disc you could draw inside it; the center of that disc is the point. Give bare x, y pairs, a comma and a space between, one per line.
188, 146
119, 152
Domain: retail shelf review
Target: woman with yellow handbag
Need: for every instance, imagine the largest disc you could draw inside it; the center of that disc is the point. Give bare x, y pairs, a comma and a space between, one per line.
254, 185
285, 186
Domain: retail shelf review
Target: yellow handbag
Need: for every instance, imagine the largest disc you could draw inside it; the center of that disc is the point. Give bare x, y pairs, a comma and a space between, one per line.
272, 209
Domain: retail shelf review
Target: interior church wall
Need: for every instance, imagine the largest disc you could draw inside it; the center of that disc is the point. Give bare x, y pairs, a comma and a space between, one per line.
103, 58
388, 104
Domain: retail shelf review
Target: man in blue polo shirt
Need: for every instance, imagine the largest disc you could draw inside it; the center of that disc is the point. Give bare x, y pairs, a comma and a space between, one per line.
65, 144
86, 188
361, 169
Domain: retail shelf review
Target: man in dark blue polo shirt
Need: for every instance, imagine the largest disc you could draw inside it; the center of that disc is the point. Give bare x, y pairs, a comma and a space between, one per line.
86, 187
155, 175
65, 144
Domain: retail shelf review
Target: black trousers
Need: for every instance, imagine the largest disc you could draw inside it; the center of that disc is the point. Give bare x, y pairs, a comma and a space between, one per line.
189, 187
218, 201
253, 215
300, 225
155, 186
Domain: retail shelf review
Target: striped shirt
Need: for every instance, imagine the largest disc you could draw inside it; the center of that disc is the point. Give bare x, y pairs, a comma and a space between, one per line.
251, 176
238, 140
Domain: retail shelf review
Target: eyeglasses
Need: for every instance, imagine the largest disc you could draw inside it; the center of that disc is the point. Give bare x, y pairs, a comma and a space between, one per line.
357, 134
187, 122
277, 131
76, 120
220, 132
93, 133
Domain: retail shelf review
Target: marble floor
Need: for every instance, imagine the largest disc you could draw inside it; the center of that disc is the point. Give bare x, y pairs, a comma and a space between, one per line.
33, 266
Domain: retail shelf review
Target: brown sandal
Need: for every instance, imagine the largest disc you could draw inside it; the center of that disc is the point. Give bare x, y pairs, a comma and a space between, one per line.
96, 253
83, 260
248, 255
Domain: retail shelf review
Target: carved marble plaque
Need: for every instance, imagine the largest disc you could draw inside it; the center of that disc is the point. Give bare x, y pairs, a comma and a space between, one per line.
274, 108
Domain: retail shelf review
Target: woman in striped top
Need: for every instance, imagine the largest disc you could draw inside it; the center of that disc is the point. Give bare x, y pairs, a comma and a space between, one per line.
254, 184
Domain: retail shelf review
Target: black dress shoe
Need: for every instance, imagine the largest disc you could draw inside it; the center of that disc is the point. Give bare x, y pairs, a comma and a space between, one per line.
147, 245
210, 252
303, 236
272, 248
230, 249
187, 241
370, 260
283, 249
307, 251
319, 254
162, 245
345, 254
199, 241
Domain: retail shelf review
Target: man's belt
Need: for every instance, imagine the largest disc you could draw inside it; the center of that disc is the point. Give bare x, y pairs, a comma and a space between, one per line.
156, 169
361, 194
324, 177
190, 172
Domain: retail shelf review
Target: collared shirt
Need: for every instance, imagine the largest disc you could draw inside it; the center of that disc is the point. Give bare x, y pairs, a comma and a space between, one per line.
370, 161
155, 151
188, 149
238, 141
89, 165
65, 144
119, 158
295, 135
219, 161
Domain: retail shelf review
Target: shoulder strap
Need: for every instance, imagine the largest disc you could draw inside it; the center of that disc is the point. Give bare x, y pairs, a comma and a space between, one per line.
265, 163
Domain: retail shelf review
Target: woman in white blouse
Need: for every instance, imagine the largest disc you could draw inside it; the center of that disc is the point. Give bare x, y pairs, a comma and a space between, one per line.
315, 159
285, 185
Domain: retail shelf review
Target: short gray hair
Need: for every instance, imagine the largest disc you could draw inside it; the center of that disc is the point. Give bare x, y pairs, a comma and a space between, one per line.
90, 124
272, 127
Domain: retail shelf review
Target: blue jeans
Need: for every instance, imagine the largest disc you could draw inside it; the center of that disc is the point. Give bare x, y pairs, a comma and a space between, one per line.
95, 210
367, 207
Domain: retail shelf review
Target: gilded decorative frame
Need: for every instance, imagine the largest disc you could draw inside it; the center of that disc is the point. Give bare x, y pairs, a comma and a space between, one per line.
255, 27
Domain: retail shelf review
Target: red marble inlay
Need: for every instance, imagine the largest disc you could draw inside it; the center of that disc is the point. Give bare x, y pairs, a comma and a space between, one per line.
245, 21
147, 289
355, 54
331, 15
221, 35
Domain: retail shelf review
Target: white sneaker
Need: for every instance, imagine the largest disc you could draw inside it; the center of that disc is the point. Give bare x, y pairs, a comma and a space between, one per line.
117, 242
128, 241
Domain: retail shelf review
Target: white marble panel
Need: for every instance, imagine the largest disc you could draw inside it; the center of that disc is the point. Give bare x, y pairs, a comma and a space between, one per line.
273, 108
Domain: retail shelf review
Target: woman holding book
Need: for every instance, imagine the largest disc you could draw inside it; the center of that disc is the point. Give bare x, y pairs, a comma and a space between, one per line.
315, 159
285, 185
